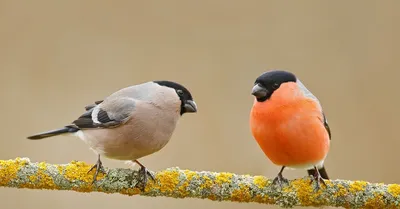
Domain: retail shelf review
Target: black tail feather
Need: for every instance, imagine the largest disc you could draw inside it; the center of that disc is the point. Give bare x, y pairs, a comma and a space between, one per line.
322, 172
51, 133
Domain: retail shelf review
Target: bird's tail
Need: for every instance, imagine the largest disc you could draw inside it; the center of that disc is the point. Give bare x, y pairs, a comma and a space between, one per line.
64, 130
322, 172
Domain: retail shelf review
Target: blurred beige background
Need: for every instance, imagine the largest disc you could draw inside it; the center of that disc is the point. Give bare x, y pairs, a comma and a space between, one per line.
58, 56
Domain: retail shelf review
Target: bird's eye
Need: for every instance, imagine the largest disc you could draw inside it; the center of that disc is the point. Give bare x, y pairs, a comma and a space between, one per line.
275, 85
180, 92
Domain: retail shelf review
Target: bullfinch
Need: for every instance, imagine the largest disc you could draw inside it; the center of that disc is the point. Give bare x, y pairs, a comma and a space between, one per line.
131, 123
289, 125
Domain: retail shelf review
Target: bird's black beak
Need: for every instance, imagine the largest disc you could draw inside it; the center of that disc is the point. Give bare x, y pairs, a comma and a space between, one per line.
190, 106
259, 91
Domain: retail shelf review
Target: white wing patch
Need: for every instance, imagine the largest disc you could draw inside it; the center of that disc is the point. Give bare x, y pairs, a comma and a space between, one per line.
95, 112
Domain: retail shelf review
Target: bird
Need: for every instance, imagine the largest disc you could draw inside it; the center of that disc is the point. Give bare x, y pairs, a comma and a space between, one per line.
131, 123
289, 125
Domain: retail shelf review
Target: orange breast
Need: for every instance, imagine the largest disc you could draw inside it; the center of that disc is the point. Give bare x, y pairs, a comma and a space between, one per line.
289, 128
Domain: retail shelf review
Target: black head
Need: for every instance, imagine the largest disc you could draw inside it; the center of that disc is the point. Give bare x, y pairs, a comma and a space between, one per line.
187, 103
268, 82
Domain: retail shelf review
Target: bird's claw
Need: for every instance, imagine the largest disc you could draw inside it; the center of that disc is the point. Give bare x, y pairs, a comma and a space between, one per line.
317, 178
145, 173
99, 168
279, 179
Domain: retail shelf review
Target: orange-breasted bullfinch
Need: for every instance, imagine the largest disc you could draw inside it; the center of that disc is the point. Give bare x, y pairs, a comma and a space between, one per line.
289, 125
131, 123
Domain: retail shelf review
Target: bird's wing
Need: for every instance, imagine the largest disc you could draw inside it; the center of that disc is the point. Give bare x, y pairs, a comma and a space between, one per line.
88, 107
106, 113
310, 95
327, 126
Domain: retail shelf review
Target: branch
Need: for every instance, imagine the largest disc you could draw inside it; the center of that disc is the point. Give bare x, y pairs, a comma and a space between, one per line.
173, 182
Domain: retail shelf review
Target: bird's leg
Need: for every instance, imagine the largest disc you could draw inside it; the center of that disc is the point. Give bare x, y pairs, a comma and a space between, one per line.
144, 172
317, 177
99, 168
279, 179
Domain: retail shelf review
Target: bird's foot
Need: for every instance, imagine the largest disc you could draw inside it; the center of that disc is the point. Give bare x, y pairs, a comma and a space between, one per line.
279, 180
99, 168
144, 174
318, 179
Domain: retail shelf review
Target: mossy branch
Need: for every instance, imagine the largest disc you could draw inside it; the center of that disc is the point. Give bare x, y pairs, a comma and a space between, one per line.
173, 182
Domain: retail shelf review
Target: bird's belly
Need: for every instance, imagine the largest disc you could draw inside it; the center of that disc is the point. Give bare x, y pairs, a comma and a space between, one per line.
296, 142
292, 152
129, 142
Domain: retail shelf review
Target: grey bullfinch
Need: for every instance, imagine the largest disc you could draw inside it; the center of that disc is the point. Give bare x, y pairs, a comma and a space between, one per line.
131, 123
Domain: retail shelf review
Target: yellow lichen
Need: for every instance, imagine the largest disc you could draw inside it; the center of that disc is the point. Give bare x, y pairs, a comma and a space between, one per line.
60, 169
223, 178
168, 180
151, 185
212, 197
341, 192
130, 191
376, 202
189, 176
264, 199
241, 194
306, 194
9, 169
357, 186
40, 179
329, 183
77, 170
45, 180
207, 183
183, 189
33, 178
394, 190
260, 181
